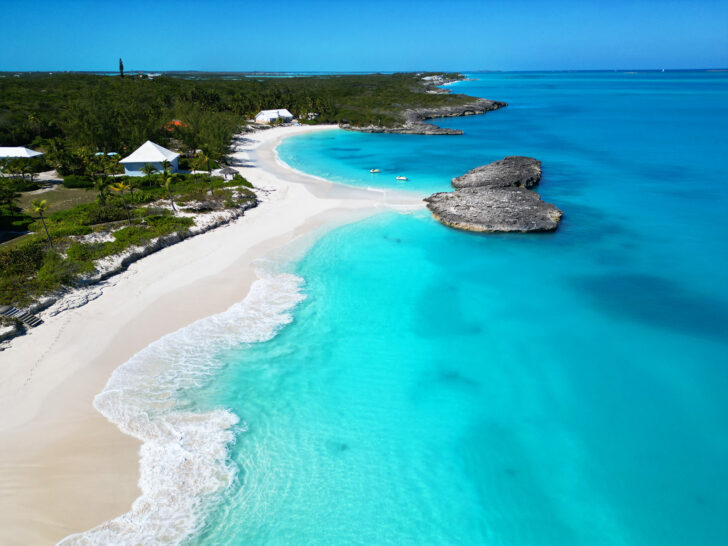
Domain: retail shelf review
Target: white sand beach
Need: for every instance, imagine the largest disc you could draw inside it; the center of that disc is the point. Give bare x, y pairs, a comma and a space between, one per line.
63, 467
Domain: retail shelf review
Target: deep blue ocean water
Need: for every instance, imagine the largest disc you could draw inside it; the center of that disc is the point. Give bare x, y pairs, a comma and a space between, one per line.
438, 387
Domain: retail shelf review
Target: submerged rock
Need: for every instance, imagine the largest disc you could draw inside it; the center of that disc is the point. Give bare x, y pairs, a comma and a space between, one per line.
515, 171
494, 210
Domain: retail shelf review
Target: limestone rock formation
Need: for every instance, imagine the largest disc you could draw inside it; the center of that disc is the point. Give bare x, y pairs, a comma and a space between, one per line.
494, 210
496, 198
515, 171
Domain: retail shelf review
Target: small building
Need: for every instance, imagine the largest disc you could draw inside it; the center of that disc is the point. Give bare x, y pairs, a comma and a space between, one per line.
151, 153
269, 116
17, 151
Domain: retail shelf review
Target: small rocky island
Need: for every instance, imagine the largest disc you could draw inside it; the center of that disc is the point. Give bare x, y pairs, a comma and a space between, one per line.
496, 198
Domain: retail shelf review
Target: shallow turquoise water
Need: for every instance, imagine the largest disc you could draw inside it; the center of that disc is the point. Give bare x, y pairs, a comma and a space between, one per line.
437, 387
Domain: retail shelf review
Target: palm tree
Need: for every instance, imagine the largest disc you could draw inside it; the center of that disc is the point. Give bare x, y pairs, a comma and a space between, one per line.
101, 185
148, 169
132, 186
166, 165
167, 182
25, 167
11, 168
120, 188
97, 167
40, 206
28, 169
85, 161
203, 162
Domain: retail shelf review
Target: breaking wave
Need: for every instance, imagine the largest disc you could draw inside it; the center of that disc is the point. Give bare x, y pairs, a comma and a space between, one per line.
184, 459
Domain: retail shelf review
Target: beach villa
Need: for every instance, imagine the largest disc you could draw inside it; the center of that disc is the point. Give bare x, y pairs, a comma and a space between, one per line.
269, 116
17, 151
151, 153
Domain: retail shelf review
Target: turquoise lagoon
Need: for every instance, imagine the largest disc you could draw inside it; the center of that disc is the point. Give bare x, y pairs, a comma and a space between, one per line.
438, 387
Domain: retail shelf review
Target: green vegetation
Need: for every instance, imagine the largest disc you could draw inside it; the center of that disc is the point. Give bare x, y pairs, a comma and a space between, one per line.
56, 255
59, 198
23, 171
78, 181
70, 116
85, 123
12, 217
40, 207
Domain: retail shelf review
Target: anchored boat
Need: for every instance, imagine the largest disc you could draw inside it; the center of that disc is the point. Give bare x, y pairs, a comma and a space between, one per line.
402, 178
373, 170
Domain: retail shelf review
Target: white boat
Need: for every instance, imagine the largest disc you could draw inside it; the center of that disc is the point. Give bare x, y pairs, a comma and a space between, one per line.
401, 178
373, 170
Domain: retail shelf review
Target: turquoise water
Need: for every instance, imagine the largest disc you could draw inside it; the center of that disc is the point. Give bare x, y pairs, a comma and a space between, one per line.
437, 387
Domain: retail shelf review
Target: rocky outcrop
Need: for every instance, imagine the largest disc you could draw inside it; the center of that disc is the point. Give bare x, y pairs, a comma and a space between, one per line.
515, 171
494, 210
496, 198
414, 118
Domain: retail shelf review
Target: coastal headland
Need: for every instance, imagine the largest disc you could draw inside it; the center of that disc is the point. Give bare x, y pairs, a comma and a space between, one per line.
64, 468
414, 118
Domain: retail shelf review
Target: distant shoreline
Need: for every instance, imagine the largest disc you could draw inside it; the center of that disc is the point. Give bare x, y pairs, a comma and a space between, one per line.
333, 72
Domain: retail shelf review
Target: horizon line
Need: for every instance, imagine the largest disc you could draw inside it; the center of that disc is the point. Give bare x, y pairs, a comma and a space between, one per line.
363, 72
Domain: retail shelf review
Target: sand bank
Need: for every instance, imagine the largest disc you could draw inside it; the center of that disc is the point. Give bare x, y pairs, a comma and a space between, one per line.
63, 467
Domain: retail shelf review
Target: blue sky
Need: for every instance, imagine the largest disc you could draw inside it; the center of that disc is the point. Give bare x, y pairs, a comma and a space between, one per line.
325, 35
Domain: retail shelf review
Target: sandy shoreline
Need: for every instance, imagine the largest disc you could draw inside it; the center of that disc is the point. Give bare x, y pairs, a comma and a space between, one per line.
63, 467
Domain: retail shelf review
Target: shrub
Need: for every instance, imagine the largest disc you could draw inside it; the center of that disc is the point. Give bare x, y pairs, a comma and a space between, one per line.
66, 231
12, 218
18, 267
155, 211
241, 181
56, 271
184, 163
167, 224
79, 252
60, 229
89, 214
19, 224
77, 181
20, 184
24, 259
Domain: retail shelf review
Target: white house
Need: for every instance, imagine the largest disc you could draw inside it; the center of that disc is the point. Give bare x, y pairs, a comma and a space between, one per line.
18, 151
151, 153
269, 116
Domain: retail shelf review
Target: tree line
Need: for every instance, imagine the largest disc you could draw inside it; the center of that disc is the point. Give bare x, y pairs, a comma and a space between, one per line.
71, 115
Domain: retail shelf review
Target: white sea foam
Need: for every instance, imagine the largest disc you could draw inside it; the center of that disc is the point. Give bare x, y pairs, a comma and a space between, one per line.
184, 457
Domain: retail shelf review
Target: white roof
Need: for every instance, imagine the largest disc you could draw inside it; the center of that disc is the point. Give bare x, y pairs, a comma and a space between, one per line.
18, 151
282, 113
150, 153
